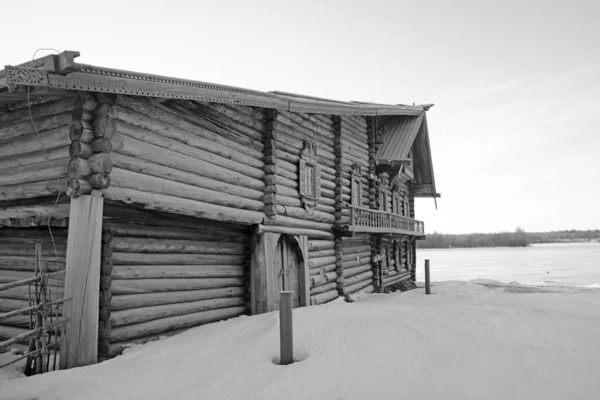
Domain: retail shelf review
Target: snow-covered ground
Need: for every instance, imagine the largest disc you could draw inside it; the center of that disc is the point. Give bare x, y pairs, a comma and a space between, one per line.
465, 341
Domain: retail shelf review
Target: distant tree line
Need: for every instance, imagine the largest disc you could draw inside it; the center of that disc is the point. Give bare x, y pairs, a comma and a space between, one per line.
518, 238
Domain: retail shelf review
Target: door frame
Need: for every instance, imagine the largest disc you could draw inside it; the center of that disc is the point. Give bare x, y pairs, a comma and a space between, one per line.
262, 273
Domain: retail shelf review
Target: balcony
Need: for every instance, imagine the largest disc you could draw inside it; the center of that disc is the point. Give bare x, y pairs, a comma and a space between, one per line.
376, 221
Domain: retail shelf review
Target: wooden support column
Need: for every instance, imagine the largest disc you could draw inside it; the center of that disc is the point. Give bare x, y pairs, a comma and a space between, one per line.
79, 343
262, 277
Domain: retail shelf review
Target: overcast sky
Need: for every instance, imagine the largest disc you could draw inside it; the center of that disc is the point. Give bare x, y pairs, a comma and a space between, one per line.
516, 84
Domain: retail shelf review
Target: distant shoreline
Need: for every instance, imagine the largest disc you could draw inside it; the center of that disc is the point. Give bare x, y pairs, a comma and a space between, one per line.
519, 238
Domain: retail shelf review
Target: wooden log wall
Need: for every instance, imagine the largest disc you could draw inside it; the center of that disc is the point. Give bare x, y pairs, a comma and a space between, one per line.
358, 269
34, 154
286, 133
185, 157
17, 262
167, 278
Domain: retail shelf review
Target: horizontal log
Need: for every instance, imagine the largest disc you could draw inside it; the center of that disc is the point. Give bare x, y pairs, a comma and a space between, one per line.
358, 278
39, 213
349, 272
137, 315
253, 118
322, 288
219, 119
55, 289
171, 323
9, 332
9, 248
396, 279
33, 142
8, 305
319, 262
33, 189
161, 117
324, 297
147, 245
311, 233
197, 152
314, 245
160, 298
176, 271
135, 286
8, 132
27, 263
61, 152
321, 253
299, 223
323, 269
149, 152
354, 262
172, 174
313, 125
46, 109
176, 205
209, 233
42, 171
123, 178
301, 213
351, 252
120, 258
362, 257
351, 289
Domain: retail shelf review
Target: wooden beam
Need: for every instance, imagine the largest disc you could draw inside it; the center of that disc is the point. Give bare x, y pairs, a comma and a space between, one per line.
79, 345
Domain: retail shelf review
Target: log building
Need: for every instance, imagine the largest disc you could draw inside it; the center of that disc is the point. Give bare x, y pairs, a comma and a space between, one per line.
173, 203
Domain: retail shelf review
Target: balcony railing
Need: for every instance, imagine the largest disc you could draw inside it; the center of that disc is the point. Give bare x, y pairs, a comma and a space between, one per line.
376, 221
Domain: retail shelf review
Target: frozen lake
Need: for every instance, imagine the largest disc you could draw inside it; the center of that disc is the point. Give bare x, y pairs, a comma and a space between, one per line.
574, 264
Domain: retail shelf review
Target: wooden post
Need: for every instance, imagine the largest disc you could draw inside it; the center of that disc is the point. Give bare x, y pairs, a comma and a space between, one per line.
427, 278
79, 343
286, 340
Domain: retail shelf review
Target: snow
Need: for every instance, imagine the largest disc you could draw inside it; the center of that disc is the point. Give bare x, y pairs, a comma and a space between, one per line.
465, 341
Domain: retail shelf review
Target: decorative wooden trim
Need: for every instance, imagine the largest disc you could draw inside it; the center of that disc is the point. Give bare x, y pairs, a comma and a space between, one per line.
309, 175
356, 185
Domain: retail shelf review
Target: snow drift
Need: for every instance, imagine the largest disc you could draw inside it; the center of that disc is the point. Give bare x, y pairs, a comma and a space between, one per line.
463, 342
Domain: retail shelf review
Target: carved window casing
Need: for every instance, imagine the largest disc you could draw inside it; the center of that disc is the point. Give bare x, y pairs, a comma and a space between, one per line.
356, 185
385, 201
310, 176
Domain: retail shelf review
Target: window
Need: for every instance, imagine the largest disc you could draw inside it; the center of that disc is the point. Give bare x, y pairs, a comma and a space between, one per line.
309, 174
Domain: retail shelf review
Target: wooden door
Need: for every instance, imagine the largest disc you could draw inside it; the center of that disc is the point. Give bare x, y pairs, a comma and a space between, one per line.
286, 274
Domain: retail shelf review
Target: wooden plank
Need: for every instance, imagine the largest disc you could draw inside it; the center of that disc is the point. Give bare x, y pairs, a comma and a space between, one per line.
79, 345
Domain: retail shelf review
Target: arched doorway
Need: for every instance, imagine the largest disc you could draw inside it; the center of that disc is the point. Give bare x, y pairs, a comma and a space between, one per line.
286, 264
279, 262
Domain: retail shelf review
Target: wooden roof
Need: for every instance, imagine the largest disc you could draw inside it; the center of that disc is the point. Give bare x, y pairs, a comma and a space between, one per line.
57, 73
